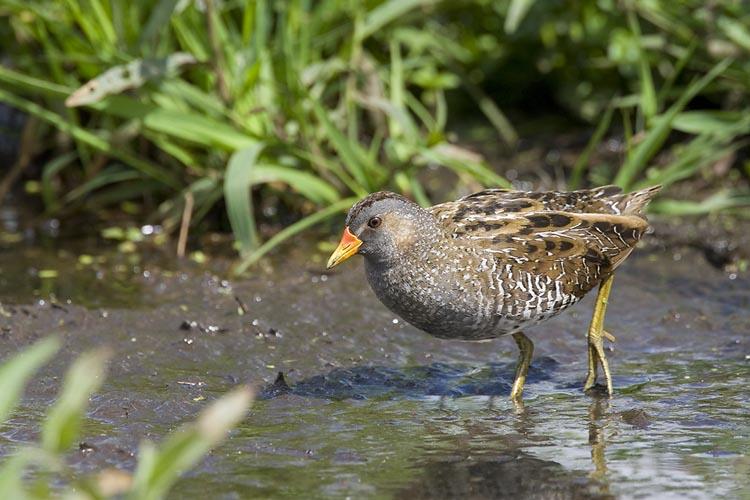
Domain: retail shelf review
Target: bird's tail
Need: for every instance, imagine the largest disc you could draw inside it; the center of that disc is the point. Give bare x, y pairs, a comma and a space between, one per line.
634, 203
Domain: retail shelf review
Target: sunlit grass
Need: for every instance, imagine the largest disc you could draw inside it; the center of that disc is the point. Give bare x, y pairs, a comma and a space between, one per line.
313, 103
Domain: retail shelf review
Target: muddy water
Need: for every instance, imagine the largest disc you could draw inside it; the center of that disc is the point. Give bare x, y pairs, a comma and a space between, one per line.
371, 407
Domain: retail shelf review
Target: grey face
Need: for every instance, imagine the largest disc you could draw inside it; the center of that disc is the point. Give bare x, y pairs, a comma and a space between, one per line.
387, 224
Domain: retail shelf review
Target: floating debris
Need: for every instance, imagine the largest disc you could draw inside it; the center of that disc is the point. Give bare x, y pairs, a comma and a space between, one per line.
195, 325
191, 384
241, 306
85, 447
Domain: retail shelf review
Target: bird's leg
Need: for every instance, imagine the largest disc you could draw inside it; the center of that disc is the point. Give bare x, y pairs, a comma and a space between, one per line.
526, 348
596, 337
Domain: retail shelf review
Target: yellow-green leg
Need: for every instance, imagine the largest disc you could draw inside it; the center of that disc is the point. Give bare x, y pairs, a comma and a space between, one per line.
526, 348
596, 338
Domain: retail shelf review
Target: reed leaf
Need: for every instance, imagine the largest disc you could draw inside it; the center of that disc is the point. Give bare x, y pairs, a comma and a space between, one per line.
238, 181
292, 230
60, 429
159, 468
15, 373
662, 125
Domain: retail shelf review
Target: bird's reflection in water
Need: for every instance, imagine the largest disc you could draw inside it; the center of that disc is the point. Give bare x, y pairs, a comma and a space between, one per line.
599, 417
483, 463
472, 456
506, 476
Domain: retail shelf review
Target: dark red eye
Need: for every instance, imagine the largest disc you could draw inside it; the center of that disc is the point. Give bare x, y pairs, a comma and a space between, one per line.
374, 222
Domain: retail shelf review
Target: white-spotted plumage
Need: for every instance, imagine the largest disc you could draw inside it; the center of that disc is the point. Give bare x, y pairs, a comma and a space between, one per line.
497, 261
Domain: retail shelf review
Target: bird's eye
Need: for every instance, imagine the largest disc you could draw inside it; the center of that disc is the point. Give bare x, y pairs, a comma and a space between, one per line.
374, 222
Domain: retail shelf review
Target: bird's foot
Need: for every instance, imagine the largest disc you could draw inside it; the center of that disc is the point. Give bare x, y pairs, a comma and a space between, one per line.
597, 357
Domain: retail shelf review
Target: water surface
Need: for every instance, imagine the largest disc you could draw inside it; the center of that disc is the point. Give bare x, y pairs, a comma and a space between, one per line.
374, 408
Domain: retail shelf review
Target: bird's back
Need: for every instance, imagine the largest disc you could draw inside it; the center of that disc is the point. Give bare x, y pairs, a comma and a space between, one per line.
603, 223
492, 202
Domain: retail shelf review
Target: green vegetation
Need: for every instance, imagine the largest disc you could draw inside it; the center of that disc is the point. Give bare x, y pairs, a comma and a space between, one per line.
157, 469
302, 105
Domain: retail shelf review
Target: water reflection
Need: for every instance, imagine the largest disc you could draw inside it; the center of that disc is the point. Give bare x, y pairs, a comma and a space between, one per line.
598, 418
512, 475
475, 454
486, 459
674, 428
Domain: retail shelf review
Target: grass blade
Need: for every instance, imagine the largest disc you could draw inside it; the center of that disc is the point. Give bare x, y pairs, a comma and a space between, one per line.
13, 470
28, 83
159, 469
15, 372
397, 87
188, 126
309, 186
493, 113
656, 136
49, 171
292, 230
735, 30
351, 153
158, 17
459, 160
708, 122
90, 139
387, 13
516, 12
410, 185
648, 92
63, 422
722, 200
11, 475
106, 177
238, 196
583, 159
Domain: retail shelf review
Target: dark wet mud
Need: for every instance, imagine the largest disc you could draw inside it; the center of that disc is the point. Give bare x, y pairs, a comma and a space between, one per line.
370, 407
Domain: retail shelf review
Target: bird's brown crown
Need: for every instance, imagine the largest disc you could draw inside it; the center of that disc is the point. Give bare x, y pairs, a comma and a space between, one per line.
370, 200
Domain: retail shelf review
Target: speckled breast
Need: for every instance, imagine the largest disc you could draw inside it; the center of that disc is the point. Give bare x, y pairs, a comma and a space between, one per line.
480, 303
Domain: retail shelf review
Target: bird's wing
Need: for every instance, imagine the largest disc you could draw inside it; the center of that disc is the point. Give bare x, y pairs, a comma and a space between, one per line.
601, 200
581, 234
577, 249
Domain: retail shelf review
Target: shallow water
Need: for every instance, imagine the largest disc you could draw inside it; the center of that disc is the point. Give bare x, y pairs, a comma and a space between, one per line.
375, 408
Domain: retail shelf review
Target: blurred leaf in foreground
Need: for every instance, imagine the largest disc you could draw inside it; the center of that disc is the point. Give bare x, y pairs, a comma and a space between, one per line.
15, 373
63, 422
159, 468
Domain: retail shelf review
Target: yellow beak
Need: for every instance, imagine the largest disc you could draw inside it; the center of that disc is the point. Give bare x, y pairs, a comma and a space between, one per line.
348, 246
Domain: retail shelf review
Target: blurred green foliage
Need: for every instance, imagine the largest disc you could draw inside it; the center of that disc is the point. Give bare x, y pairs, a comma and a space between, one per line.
158, 467
305, 104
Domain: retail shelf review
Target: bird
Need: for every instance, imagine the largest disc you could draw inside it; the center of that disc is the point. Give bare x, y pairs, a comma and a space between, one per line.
498, 261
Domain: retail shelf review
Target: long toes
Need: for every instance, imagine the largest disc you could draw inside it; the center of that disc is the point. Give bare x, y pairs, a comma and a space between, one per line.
609, 336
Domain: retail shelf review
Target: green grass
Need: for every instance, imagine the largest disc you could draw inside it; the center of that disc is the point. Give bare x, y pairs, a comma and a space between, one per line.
158, 468
311, 103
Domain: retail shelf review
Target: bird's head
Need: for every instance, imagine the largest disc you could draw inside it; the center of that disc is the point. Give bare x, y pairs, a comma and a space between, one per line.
381, 227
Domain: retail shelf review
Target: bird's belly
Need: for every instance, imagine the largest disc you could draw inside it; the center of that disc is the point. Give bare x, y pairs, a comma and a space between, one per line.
472, 311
